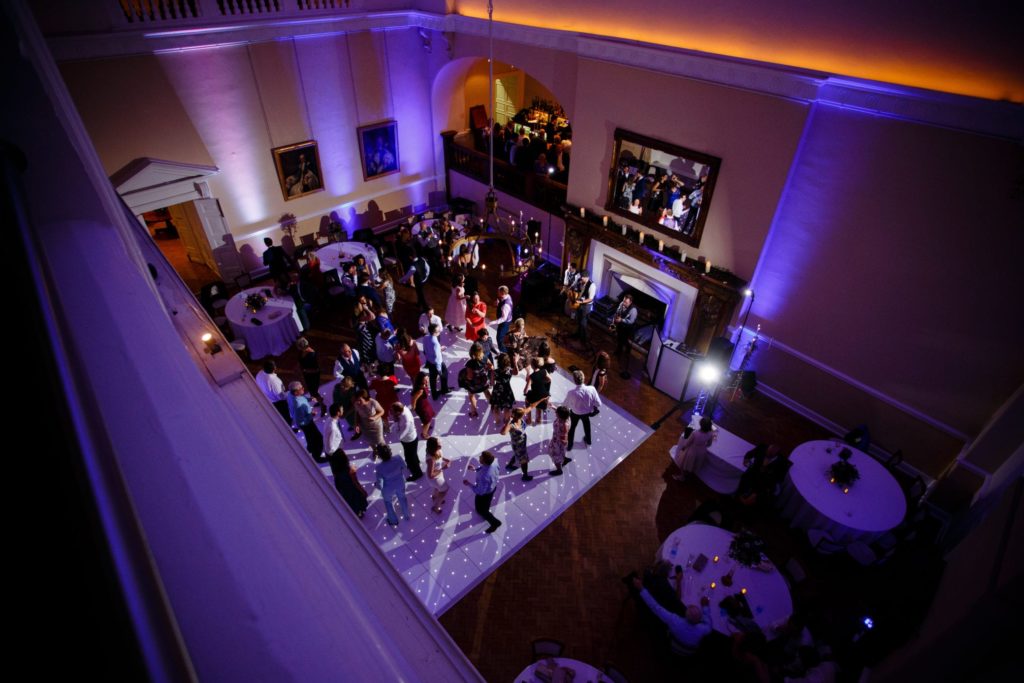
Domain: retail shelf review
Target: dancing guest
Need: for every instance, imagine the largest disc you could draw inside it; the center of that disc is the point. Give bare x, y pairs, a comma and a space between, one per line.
366, 322
455, 313
418, 273
504, 312
516, 431
544, 353
405, 428
538, 390
422, 405
370, 414
332, 431
273, 388
427, 318
599, 375
583, 403
386, 290
348, 365
302, 417
433, 353
366, 289
483, 488
383, 387
517, 345
477, 377
408, 352
487, 344
692, 449
345, 396
559, 440
502, 396
309, 361
391, 482
476, 317
436, 465
346, 483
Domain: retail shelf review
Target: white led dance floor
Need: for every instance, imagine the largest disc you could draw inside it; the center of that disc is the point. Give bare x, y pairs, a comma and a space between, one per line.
443, 556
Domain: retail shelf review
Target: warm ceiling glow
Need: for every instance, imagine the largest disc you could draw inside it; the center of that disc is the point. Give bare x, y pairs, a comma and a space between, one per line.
918, 47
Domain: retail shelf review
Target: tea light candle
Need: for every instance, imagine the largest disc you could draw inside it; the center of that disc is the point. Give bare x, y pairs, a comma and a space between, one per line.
846, 489
583, 212
743, 590
712, 586
715, 559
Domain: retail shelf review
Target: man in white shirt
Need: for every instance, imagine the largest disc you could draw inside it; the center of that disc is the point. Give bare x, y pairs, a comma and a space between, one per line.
405, 427
504, 321
273, 388
428, 318
332, 431
687, 631
583, 402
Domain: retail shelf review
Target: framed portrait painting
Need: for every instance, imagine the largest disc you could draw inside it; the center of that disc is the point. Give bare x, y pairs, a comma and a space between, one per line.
378, 149
298, 169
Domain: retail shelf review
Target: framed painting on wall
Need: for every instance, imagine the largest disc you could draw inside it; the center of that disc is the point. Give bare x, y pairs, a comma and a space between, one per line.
378, 149
298, 169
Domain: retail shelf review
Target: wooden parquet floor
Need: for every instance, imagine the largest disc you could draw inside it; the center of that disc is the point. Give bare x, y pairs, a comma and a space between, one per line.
566, 582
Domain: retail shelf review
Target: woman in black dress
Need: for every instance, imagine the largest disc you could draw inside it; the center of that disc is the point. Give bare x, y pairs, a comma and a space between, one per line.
476, 377
366, 330
346, 483
309, 362
502, 397
538, 389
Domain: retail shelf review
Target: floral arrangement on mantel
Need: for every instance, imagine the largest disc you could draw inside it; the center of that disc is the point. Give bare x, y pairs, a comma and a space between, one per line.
255, 302
747, 549
843, 473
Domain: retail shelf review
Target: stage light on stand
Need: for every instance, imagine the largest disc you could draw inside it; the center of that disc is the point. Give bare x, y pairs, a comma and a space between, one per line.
709, 375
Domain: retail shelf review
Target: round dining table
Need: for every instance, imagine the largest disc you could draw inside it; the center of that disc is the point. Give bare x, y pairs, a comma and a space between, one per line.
560, 667
334, 254
269, 331
723, 467
871, 506
766, 589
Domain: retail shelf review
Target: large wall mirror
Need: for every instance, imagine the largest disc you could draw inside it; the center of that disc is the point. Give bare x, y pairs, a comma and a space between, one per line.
663, 186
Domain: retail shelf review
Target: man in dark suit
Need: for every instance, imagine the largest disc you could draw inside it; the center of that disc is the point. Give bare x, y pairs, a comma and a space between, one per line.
278, 261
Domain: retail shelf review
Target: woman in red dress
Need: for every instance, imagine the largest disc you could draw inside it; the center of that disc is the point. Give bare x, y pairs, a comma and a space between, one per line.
409, 354
476, 317
421, 405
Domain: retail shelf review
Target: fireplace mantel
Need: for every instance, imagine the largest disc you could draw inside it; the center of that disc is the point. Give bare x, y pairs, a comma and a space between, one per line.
718, 293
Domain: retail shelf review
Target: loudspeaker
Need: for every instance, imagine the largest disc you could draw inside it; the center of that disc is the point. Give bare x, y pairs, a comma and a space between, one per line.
720, 351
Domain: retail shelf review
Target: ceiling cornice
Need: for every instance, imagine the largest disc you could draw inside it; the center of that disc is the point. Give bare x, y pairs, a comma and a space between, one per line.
975, 115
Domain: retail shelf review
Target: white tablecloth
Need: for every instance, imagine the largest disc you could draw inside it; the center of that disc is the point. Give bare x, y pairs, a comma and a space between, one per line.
767, 592
874, 505
724, 465
280, 326
584, 673
333, 255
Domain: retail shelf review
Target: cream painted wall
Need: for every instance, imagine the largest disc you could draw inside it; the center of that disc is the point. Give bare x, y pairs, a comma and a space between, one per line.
229, 106
893, 261
756, 137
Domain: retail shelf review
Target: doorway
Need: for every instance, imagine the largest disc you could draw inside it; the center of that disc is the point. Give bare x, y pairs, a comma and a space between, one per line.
178, 233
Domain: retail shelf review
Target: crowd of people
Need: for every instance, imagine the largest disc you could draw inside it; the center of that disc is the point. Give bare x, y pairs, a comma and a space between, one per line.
542, 149
365, 401
660, 195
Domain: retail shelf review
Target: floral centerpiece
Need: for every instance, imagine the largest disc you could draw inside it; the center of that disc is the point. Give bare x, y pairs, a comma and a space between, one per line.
255, 302
843, 473
747, 549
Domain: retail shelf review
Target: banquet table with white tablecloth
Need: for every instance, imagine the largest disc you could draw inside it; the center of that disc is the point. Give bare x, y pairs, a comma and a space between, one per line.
333, 255
561, 670
269, 331
872, 505
766, 589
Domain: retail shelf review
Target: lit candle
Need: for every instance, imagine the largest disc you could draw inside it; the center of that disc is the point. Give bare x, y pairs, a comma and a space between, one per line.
846, 489
540, 249
604, 221
707, 266
583, 212
715, 559
641, 238
713, 584
743, 590
623, 230
661, 246
484, 266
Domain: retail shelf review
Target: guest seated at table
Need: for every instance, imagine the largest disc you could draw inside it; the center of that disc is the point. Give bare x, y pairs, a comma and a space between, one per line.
688, 631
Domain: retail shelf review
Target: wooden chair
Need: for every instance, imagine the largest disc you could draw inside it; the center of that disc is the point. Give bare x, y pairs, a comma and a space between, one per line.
308, 240
546, 647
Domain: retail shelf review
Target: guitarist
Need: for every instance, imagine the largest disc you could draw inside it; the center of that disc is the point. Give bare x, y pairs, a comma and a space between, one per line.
587, 290
569, 280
